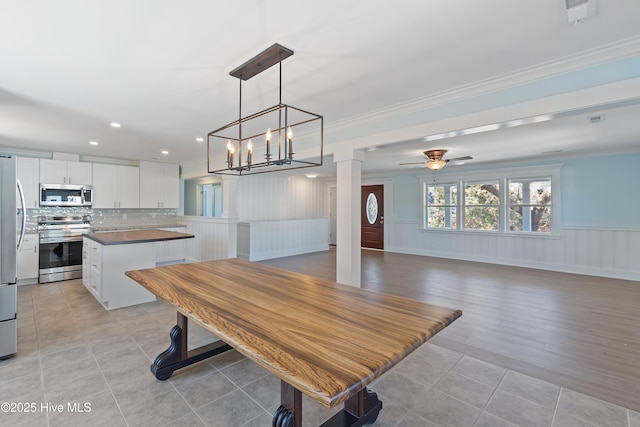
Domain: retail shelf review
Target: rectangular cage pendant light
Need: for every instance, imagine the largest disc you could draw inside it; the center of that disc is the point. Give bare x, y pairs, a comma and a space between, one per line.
278, 138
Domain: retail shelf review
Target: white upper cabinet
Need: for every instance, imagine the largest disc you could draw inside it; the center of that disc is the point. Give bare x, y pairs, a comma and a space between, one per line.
159, 185
116, 186
28, 174
65, 172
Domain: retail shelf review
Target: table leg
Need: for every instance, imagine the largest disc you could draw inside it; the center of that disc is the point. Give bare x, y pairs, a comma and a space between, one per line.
177, 356
289, 414
360, 409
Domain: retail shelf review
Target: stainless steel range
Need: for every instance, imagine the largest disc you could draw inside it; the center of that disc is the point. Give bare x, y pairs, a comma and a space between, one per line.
61, 246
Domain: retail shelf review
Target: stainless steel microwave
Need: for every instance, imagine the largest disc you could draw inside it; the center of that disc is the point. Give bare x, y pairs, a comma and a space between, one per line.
65, 195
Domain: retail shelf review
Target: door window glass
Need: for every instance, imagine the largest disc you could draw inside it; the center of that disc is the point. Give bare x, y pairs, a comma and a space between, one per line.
372, 208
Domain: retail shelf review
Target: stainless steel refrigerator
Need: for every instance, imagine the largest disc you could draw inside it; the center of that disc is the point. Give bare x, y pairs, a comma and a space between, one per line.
8, 251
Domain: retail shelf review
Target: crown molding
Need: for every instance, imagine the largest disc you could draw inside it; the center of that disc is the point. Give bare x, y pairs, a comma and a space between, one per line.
593, 57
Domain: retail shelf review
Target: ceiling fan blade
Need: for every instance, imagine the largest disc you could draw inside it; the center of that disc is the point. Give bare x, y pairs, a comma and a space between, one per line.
461, 158
414, 163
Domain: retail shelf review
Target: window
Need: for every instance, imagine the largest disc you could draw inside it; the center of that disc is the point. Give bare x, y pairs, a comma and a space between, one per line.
530, 205
441, 206
499, 200
482, 206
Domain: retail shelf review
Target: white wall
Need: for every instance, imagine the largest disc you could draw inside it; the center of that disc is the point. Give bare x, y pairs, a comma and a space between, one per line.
607, 252
215, 238
279, 216
261, 240
272, 196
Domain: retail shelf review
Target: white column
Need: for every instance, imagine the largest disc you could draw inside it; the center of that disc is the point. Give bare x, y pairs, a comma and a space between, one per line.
230, 212
349, 167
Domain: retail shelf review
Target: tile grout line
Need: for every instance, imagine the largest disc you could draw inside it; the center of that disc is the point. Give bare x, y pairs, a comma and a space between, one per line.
191, 407
113, 396
44, 396
240, 388
119, 320
555, 409
215, 400
497, 387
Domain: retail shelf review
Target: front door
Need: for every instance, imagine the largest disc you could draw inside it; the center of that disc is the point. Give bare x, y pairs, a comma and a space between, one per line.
372, 218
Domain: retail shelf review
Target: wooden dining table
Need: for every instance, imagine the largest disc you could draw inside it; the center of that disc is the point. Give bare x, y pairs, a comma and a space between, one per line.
318, 337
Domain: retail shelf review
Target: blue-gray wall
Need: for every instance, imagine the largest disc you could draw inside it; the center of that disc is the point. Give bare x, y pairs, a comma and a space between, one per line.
602, 191
599, 191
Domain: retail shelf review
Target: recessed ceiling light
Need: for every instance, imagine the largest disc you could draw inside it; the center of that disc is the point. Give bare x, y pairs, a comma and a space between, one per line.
312, 175
200, 139
93, 142
115, 125
165, 152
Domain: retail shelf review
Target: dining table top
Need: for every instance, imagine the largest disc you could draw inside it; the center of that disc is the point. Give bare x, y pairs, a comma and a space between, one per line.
326, 339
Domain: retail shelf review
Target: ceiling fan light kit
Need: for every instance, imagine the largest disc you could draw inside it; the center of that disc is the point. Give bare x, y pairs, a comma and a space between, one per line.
435, 159
263, 141
435, 165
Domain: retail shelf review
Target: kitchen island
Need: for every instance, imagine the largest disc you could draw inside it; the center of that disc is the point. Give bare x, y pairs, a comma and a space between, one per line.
108, 254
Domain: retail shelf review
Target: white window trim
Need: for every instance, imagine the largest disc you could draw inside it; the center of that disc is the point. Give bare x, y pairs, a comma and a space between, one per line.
502, 175
423, 207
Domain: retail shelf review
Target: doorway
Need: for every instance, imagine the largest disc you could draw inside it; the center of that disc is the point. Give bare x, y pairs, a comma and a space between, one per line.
372, 217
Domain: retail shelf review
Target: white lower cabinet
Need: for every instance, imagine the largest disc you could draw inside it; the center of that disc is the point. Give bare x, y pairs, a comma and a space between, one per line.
171, 251
86, 262
106, 279
91, 270
27, 260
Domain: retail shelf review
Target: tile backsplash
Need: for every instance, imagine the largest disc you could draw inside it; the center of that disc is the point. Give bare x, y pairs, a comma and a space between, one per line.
109, 219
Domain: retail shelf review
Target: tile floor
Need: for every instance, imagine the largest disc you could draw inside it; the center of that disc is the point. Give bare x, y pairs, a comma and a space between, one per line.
96, 365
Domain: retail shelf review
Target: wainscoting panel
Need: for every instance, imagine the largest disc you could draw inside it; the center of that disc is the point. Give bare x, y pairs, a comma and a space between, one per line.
271, 197
607, 252
215, 238
260, 240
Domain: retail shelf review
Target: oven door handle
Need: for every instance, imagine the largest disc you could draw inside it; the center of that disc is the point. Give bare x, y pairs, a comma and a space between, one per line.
24, 214
45, 240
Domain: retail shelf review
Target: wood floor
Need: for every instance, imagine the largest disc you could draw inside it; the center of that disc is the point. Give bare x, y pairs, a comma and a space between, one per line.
579, 332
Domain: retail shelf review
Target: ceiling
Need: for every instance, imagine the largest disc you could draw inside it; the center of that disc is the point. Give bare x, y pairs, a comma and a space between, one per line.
389, 78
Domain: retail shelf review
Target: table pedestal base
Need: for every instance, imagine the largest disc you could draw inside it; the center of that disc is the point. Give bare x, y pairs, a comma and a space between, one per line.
177, 356
360, 409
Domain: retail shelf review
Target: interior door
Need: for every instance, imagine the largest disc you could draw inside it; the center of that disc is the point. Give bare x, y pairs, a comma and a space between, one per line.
372, 218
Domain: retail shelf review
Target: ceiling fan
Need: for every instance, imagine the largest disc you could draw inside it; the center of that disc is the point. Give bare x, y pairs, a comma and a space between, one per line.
435, 159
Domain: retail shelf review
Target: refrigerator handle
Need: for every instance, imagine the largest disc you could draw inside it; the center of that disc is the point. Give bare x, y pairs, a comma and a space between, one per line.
24, 215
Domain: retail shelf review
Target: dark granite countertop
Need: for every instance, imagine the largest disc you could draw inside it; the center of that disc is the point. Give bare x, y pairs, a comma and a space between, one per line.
135, 236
